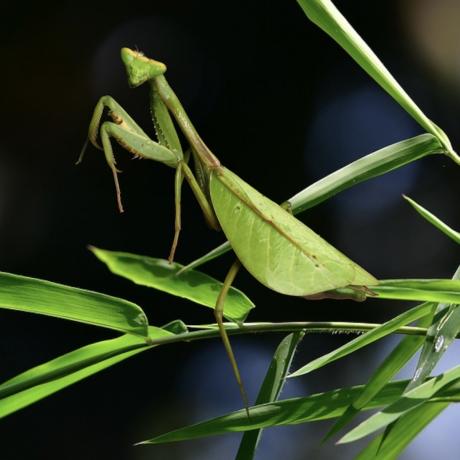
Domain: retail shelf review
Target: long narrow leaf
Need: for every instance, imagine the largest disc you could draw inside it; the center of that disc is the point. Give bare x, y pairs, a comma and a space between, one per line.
270, 389
392, 364
48, 378
367, 338
326, 16
403, 405
440, 335
322, 406
432, 219
160, 274
46, 298
389, 446
373, 165
426, 290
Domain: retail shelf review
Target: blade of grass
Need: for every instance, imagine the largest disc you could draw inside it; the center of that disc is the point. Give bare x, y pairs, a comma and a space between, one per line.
160, 274
407, 402
326, 16
271, 389
373, 165
46, 298
432, 219
48, 378
367, 338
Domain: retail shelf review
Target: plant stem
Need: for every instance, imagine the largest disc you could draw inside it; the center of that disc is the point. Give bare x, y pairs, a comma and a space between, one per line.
210, 331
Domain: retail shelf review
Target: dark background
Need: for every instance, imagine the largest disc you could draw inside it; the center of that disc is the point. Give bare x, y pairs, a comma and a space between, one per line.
280, 104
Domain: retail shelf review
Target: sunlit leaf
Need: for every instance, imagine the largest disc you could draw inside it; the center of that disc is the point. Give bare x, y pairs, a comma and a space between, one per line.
407, 402
46, 298
366, 339
160, 274
48, 378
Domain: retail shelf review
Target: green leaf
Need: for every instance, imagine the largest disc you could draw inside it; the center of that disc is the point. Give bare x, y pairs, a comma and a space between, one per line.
326, 16
432, 219
271, 389
373, 165
368, 167
367, 338
278, 250
440, 335
393, 363
48, 378
389, 445
407, 402
427, 290
46, 298
322, 406
160, 274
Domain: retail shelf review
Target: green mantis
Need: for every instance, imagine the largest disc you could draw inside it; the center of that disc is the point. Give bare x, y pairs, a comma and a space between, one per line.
277, 249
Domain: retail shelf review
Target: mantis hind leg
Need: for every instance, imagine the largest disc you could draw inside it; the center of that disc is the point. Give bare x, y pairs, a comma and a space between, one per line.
219, 315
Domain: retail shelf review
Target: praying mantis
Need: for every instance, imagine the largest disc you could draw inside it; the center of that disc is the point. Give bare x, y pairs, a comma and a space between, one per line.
277, 249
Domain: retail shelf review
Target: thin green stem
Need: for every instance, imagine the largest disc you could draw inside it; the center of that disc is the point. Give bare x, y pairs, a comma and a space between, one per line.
210, 331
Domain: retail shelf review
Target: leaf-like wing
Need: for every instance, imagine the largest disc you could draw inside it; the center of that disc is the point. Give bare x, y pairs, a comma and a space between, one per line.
277, 249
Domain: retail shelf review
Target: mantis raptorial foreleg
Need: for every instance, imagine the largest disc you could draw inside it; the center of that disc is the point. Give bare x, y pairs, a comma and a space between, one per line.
167, 150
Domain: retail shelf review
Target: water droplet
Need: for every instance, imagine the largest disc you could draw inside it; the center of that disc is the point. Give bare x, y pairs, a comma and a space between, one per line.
417, 373
439, 343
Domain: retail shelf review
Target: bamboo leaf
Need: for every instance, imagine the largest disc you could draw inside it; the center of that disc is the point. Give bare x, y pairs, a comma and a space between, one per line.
432, 219
271, 389
46, 298
373, 165
367, 338
160, 274
407, 402
427, 290
48, 378
404, 430
322, 406
392, 364
440, 335
327, 17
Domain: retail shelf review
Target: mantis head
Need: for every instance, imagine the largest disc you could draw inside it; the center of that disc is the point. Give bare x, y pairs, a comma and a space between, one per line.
140, 68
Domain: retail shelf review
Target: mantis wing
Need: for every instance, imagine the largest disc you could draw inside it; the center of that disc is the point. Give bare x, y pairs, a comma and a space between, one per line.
276, 248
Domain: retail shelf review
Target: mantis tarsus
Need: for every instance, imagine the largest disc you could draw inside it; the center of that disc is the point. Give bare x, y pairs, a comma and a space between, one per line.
276, 248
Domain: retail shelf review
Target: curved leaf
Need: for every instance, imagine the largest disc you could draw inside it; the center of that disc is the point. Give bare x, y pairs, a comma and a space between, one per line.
46, 298
325, 15
160, 274
48, 378
322, 406
407, 402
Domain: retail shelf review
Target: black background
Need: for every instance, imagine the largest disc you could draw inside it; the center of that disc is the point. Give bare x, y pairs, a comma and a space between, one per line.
252, 76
